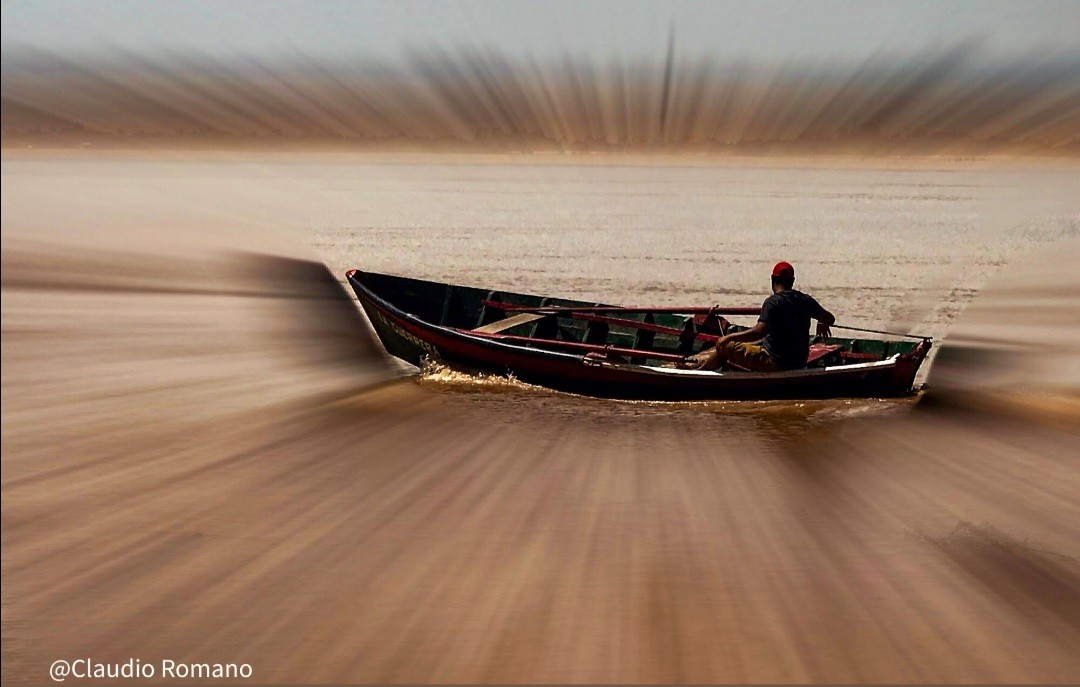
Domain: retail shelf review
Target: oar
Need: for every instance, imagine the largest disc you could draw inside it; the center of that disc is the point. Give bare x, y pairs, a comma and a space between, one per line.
696, 310
879, 331
577, 346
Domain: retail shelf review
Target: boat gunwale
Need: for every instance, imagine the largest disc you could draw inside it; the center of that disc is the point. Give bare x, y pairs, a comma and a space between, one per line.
454, 333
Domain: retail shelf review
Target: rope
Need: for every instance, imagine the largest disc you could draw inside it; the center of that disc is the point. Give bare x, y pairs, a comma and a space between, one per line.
879, 331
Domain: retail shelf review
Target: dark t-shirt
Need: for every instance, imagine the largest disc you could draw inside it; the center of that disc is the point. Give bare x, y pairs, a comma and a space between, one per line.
787, 318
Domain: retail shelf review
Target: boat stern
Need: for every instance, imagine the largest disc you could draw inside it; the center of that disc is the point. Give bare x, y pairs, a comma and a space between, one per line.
907, 366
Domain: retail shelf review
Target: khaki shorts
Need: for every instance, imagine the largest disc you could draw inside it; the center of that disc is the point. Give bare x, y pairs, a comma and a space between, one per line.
748, 355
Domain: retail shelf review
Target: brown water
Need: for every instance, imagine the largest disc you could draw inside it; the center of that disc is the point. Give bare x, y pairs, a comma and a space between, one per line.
880, 245
197, 466
883, 243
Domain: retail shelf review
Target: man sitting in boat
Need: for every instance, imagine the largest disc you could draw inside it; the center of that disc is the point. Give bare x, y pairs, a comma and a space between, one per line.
779, 340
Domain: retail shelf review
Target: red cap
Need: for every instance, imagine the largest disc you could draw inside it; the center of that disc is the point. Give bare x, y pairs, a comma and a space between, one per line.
783, 269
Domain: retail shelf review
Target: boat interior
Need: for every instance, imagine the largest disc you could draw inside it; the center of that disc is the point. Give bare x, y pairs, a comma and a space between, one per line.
644, 336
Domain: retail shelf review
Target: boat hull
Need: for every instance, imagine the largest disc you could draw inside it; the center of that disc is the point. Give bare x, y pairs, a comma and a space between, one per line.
413, 340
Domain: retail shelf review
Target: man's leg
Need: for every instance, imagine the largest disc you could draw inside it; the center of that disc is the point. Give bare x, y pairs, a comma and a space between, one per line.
751, 357
747, 356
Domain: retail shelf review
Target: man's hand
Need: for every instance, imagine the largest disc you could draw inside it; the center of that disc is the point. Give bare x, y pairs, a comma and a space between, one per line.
825, 320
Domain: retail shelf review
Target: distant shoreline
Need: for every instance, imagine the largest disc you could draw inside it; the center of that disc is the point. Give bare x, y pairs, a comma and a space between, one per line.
529, 151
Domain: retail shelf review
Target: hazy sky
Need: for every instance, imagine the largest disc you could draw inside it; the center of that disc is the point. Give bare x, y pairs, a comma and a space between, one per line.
821, 30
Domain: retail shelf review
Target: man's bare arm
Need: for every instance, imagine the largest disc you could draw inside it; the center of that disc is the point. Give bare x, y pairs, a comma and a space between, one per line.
755, 333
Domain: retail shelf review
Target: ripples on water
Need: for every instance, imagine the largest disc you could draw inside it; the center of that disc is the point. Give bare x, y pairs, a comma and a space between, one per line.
207, 458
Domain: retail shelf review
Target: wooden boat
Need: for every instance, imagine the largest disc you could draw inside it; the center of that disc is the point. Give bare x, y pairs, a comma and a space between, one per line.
611, 351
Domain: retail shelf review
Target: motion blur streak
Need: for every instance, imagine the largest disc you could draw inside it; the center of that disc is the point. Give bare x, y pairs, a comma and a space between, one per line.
191, 473
949, 99
1021, 334
207, 458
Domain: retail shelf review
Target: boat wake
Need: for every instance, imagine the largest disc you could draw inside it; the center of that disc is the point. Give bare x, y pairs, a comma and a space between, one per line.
438, 374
